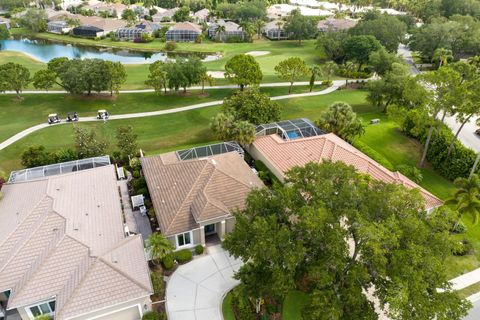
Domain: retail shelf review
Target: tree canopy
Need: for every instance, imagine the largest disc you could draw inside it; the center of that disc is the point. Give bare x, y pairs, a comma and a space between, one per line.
243, 70
291, 70
342, 121
336, 234
300, 27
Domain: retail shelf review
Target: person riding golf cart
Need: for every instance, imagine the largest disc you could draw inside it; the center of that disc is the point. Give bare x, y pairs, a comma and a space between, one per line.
53, 118
72, 116
102, 115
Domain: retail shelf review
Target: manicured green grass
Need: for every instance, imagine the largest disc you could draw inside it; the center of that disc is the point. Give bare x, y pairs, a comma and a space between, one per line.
137, 73
293, 305
468, 291
227, 309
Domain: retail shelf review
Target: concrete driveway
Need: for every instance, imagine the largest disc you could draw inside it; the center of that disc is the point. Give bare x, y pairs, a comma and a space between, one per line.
195, 291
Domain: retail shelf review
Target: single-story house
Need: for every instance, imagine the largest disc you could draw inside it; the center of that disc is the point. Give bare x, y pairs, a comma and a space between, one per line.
63, 250
232, 30
132, 33
194, 196
112, 9
183, 32
59, 27
286, 144
283, 10
92, 27
201, 16
336, 24
164, 15
273, 30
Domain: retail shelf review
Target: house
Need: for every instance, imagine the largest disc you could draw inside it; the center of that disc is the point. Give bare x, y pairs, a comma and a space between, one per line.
286, 144
59, 27
183, 32
195, 191
111, 9
92, 27
335, 24
201, 16
136, 32
231, 30
273, 30
283, 10
164, 15
63, 250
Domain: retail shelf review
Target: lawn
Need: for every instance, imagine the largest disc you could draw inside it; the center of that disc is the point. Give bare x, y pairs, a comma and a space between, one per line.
227, 309
137, 73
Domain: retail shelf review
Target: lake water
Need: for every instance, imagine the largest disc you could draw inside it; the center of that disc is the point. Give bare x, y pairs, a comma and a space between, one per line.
45, 51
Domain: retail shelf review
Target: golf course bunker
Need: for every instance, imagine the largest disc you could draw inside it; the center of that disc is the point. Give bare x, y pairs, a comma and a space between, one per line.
257, 53
216, 74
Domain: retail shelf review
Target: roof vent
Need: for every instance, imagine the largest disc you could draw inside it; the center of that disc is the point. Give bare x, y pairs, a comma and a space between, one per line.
75, 226
214, 162
86, 213
114, 258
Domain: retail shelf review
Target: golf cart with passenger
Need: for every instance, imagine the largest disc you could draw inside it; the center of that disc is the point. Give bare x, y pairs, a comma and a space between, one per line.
72, 116
53, 118
102, 115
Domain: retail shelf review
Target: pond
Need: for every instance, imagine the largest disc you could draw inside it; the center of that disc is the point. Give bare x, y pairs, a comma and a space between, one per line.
44, 51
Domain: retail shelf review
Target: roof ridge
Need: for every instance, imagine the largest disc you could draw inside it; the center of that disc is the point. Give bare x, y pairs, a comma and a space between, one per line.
124, 274
232, 177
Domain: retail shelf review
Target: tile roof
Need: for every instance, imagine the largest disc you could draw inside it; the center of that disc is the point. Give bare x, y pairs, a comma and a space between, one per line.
61, 233
285, 155
186, 193
186, 26
336, 24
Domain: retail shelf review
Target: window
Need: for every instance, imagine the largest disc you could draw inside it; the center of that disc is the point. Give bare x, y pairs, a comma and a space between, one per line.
184, 239
43, 308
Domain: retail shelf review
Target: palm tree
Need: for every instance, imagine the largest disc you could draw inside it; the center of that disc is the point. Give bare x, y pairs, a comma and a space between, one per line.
219, 31
315, 71
467, 197
259, 24
442, 56
349, 68
158, 247
206, 78
248, 29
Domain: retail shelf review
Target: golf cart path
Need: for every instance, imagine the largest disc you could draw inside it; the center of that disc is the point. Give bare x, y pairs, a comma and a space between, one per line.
229, 86
336, 84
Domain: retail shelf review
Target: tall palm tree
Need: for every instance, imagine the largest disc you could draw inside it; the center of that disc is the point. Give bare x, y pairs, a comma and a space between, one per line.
158, 247
259, 24
467, 197
442, 56
219, 31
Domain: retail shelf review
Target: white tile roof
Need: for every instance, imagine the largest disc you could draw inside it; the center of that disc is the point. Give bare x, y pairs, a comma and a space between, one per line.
62, 237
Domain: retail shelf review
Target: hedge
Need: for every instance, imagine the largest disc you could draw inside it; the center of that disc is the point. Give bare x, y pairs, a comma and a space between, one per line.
183, 255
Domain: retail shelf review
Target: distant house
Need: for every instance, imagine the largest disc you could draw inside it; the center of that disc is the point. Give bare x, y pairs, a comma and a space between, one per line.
335, 24
286, 144
273, 30
283, 10
164, 16
183, 32
195, 191
136, 32
63, 249
112, 9
232, 30
201, 16
91, 27
59, 27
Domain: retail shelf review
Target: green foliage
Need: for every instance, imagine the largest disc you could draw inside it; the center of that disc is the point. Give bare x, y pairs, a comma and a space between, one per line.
43, 317
170, 46
359, 48
199, 249
168, 262
44, 79
87, 144
243, 70
154, 315
467, 197
129, 15
242, 10
342, 121
183, 256
412, 172
317, 225
182, 14
14, 76
35, 156
267, 177
462, 248
4, 32
34, 20
382, 61
226, 128
242, 305
116, 75
332, 45
300, 27
126, 141
157, 77
157, 282
291, 70
158, 247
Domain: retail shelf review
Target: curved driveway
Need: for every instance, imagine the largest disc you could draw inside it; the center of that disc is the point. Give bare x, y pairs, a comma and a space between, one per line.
195, 290
22, 134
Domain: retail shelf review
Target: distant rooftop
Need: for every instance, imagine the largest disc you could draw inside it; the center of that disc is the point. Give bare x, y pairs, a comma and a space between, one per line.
57, 169
209, 150
290, 129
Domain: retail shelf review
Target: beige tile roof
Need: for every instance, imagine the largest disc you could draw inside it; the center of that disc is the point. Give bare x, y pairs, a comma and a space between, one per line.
54, 234
336, 24
186, 193
105, 24
186, 26
285, 155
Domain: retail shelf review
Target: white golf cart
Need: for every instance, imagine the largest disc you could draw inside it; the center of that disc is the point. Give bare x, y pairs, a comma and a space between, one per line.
102, 114
53, 118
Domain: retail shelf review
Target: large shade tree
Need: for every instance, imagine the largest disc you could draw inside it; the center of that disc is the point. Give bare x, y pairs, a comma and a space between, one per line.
339, 233
243, 70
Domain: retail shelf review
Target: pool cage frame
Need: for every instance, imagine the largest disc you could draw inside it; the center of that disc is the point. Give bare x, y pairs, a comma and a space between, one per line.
209, 150
290, 129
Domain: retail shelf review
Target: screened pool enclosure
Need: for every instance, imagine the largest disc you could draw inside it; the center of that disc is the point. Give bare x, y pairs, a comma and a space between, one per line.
290, 129
209, 150
58, 168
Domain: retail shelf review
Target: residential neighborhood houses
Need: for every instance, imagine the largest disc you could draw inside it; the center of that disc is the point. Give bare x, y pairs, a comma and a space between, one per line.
239, 160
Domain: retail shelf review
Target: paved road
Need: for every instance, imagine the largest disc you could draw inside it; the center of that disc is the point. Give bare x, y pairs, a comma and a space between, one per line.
405, 52
195, 290
24, 133
467, 136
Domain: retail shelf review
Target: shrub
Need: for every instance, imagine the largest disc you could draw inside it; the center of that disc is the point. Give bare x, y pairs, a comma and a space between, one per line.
168, 262
462, 248
242, 306
139, 183
199, 249
327, 83
170, 46
157, 283
136, 174
151, 315
183, 256
43, 317
459, 228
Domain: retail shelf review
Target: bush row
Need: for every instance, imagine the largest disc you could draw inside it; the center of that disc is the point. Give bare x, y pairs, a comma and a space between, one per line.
181, 256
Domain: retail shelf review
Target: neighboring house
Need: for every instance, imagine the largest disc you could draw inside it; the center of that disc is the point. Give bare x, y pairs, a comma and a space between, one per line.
63, 250
335, 24
283, 10
273, 30
286, 144
183, 32
91, 27
232, 30
5, 22
112, 9
59, 27
136, 32
194, 192
201, 16
164, 15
